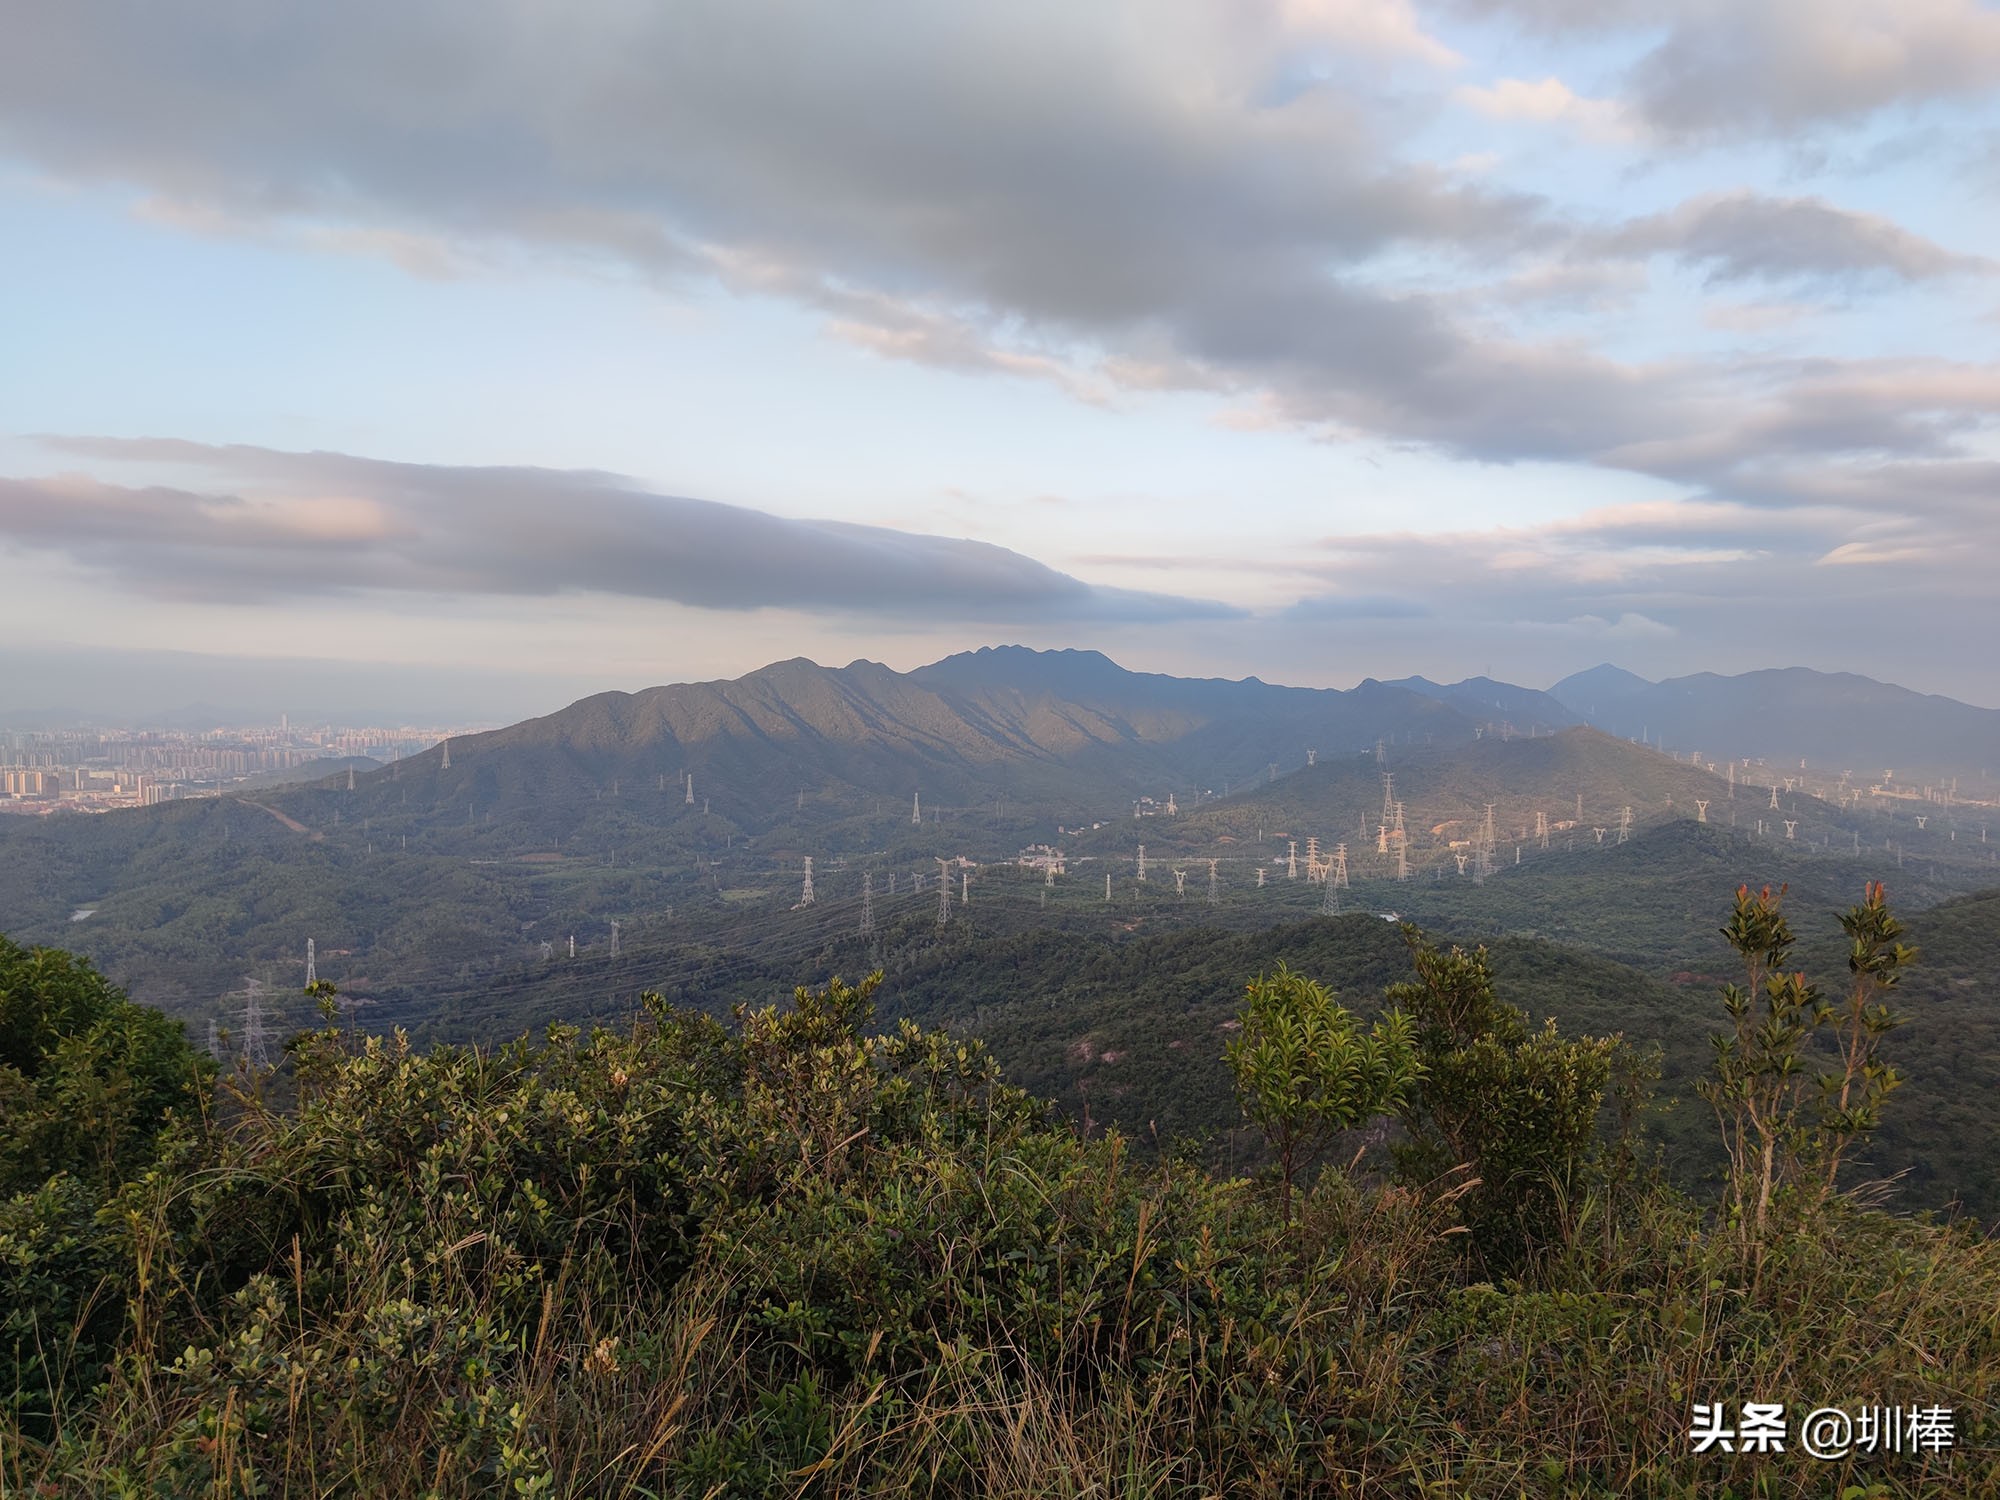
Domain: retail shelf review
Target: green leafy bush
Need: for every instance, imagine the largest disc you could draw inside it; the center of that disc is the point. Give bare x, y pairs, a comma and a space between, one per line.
1515, 1108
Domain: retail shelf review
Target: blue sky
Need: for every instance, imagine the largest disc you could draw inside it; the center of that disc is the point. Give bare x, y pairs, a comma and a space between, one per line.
550, 349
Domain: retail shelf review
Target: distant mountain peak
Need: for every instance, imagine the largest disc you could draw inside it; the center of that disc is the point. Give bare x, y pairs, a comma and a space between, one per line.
1024, 668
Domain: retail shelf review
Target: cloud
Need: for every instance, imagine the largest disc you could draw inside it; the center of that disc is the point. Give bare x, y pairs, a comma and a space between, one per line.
1173, 185
1676, 582
1122, 199
1755, 317
304, 524
1627, 627
1549, 102
1356, 607
1776, 65
1746, 236
1714, 71
1853, 554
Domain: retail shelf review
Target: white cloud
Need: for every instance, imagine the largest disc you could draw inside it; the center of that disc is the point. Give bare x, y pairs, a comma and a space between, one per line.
1549, 101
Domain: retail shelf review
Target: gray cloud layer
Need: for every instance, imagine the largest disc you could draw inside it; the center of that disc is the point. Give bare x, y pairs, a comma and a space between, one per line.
1745, 236
1745, 68
1203, 193
314, 523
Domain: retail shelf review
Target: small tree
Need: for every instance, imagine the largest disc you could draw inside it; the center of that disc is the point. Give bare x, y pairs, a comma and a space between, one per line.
1760, 1084
1850, 1103
1305, 1070
1758, 1080
1516, 1105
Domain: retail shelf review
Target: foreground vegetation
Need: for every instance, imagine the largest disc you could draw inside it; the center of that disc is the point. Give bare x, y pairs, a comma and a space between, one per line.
798, 1256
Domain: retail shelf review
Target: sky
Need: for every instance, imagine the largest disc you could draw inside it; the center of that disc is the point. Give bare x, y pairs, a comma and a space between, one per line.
470, 357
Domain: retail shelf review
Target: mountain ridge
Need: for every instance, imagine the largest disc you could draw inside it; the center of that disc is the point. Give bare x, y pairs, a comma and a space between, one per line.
1788, 714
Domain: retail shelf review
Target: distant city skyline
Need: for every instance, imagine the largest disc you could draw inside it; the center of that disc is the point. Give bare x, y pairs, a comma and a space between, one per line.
410, 358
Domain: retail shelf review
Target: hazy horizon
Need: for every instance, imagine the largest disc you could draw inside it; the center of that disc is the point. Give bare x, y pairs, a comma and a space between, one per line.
156, 688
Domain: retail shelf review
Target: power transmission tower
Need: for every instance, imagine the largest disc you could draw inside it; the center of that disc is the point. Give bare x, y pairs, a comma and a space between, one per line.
350, 778
965, 888
806, 896
1312, 757
1107, 885
1180, 884
1172, 811
1700, 811
1381, 756
916, 809
1213, 890
614, 939
1774, 794
1312, 859
1338, 879
254, 1051
1292, 861
1260, 877
688, 800
1402, 846
572, 945
1542, 829
1624, 825
944, 894
1142, 864
867, 905
312, 972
